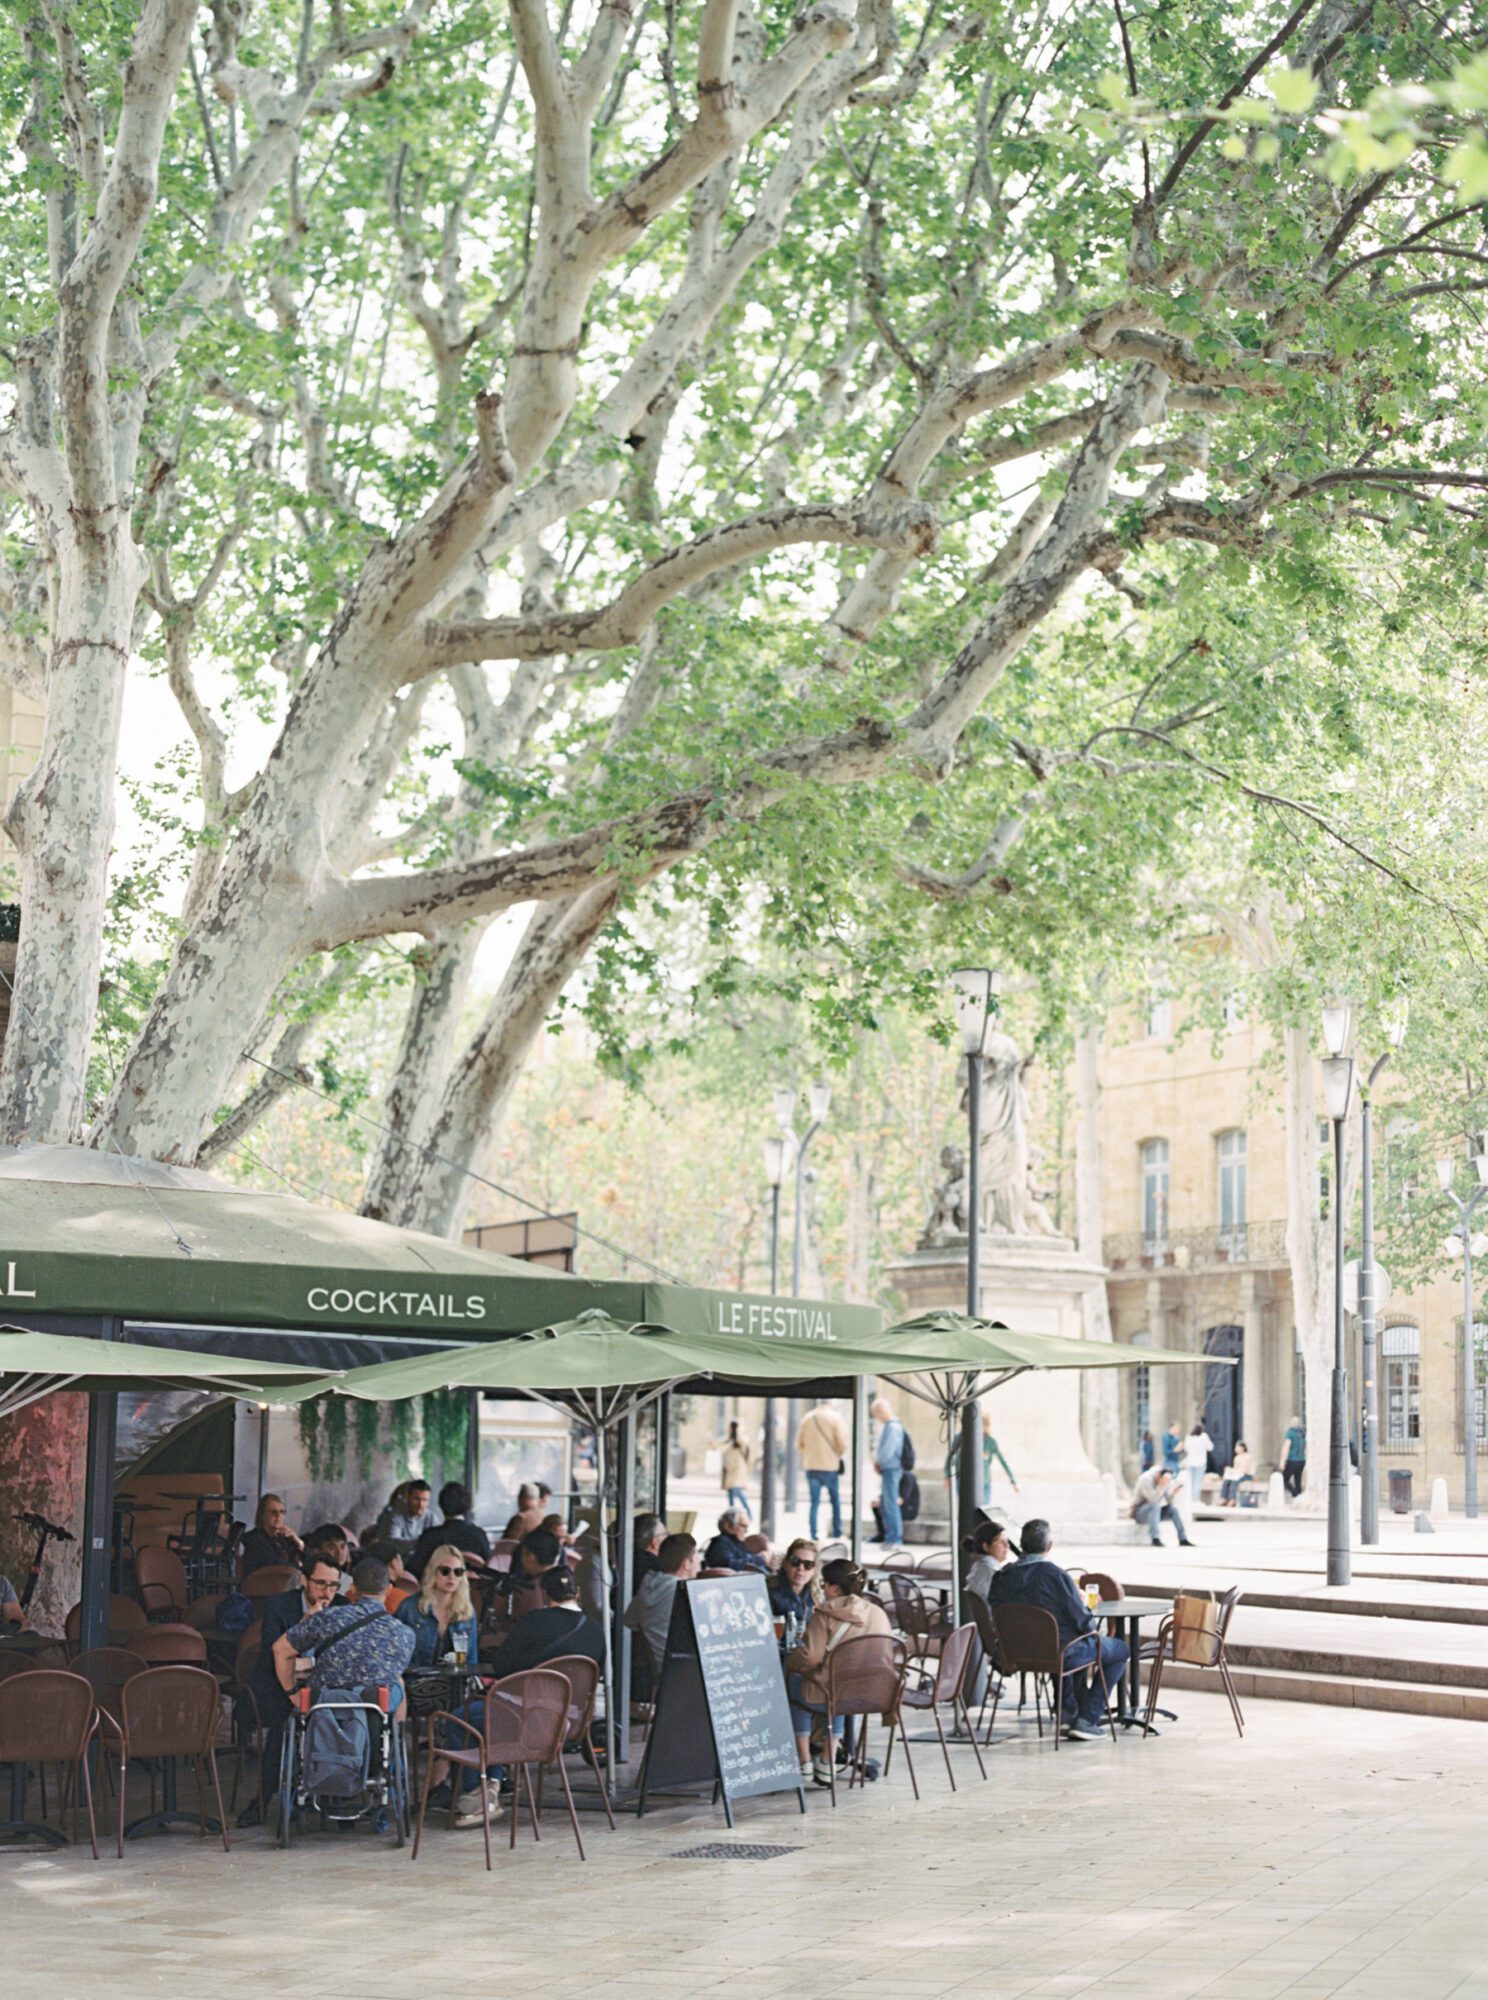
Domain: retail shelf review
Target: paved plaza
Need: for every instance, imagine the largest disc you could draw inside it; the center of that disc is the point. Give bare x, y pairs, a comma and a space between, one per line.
1328, 1854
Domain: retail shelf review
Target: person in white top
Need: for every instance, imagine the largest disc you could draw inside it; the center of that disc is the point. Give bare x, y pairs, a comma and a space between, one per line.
1196, 1449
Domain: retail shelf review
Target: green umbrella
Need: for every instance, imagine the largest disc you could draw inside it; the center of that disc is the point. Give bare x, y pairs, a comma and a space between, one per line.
33, 1365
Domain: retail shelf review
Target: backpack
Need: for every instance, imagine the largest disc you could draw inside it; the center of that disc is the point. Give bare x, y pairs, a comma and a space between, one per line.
235, 1613
909, 1497
337, 1748
907, 1458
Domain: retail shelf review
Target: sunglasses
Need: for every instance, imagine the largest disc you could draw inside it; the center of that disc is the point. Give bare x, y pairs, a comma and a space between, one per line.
445, 1570
800, 1562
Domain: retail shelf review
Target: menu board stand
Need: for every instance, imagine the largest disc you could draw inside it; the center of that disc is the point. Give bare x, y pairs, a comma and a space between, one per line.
721, 1717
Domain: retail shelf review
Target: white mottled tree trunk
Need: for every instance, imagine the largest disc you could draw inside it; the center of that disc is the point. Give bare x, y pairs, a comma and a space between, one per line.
1100, 1388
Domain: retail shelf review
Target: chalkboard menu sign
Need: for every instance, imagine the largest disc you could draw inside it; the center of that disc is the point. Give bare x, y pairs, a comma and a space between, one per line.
721, 1713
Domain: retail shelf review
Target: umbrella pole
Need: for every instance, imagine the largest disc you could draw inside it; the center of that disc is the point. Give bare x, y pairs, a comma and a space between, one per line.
98, 1509
601, 1458
625, 1475
953, 1459
859, 1461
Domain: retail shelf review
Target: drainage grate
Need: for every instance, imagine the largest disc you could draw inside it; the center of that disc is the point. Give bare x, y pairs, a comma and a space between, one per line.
732, 1850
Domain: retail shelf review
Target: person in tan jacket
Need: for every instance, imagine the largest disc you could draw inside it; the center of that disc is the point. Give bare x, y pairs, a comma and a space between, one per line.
821, 1442
844, 1613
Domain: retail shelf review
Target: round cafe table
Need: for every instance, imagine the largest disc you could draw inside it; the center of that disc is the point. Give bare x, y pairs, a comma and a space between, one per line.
1127, 1614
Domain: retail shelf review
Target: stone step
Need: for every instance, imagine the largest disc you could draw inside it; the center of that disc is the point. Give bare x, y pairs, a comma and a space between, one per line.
1358, 1666
1441, 1613
1461, 1704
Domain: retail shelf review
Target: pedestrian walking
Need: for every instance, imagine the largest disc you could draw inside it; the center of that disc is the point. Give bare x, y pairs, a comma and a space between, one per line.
735, 1469
1196, 1449
821, 1442
1294, 1458
889, 1457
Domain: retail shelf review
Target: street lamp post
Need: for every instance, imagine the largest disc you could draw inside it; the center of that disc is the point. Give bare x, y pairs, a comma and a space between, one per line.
1446, 1173
1368, 1275
777, 1155
974, 990
1338, 1093
818, 1101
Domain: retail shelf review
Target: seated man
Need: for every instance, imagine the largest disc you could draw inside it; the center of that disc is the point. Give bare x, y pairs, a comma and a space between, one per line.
454, 1529
318, 1589
558, 1627
727, 1549
1035, 1579
532, 1506
650, 1532
352, 1645
400, 1583
332, 1540
1154, 1500
539, 1552
10, 1606
649, 1612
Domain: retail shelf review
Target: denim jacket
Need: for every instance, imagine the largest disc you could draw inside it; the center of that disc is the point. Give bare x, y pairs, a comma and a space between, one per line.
428, 1647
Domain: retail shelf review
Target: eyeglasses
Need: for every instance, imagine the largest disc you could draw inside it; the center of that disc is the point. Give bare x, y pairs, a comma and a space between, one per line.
445, 1570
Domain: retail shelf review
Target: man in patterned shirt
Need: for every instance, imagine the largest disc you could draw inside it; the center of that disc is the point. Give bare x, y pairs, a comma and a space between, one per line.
353, 1645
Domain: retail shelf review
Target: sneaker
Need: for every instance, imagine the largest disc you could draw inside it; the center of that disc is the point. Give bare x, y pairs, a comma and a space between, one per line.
808, 1770
1156, 1541
439, 1798
1185, 1543
471, 1814
1081, 1731
821, 1770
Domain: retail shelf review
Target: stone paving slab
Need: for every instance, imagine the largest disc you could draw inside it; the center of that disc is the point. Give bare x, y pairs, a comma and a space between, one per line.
1327, 1856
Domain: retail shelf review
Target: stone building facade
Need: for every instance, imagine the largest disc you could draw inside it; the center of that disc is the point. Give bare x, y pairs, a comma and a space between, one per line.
1194, 1239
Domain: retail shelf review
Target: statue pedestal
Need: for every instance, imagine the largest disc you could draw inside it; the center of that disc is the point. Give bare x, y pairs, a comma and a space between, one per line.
1035, 1284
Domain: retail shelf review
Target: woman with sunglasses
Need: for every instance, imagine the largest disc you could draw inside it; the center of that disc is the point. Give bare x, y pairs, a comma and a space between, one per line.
794, 1592
442, 1619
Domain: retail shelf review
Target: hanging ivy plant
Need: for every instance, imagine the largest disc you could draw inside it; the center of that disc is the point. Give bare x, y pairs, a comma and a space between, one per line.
367, 1421
307, 1419
400, 1436
333, 1427
446, 1415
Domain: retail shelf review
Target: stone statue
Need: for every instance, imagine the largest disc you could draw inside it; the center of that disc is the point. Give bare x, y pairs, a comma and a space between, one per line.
947, 1222
1009, 1204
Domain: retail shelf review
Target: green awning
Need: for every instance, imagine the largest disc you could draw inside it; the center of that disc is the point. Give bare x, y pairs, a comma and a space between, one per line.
33, 1365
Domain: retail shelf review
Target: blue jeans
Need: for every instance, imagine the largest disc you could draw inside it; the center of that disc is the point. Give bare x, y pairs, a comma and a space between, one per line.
829, 1483
803, 1712
893, 1520
1152, 1512
738, 1498
1082, 1698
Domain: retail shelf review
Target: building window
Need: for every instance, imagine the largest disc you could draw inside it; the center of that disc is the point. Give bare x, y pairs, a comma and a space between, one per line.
1325, 1164
1159, 1017
1400, 1375
1480, 1354
1141, 1381
1231, 1149
1154, 1196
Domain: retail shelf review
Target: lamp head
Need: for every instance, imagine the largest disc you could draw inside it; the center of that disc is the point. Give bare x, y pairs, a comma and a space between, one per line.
1338, 1086
1338, 1017
819, 1098
785, 1107
1446, 1173
972, 990
775, 1161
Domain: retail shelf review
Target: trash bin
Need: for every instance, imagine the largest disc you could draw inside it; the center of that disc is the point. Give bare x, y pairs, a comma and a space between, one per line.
1400, 1491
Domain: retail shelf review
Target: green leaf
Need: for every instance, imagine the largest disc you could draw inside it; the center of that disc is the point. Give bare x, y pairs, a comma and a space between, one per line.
1295, 90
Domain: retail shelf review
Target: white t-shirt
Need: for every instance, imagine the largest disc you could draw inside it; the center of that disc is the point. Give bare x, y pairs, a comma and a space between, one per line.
1196, 1450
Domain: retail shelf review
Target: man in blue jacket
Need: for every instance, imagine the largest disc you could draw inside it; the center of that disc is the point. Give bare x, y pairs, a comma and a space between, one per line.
727, 1550
1036, 1579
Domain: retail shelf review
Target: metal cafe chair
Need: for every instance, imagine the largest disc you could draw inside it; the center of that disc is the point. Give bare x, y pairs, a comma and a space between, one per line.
1028, 1642
170, 1646
168, 1712
523, 1725
46, 1717
583, 1677
866, 1677
925, 1630
947, 1684
1193, 1635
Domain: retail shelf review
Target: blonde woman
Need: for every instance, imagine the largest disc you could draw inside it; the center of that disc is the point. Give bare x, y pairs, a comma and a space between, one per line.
442, 1619
441, 1615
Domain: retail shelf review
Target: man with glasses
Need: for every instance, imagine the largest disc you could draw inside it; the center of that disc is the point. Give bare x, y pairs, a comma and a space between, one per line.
269, 1704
